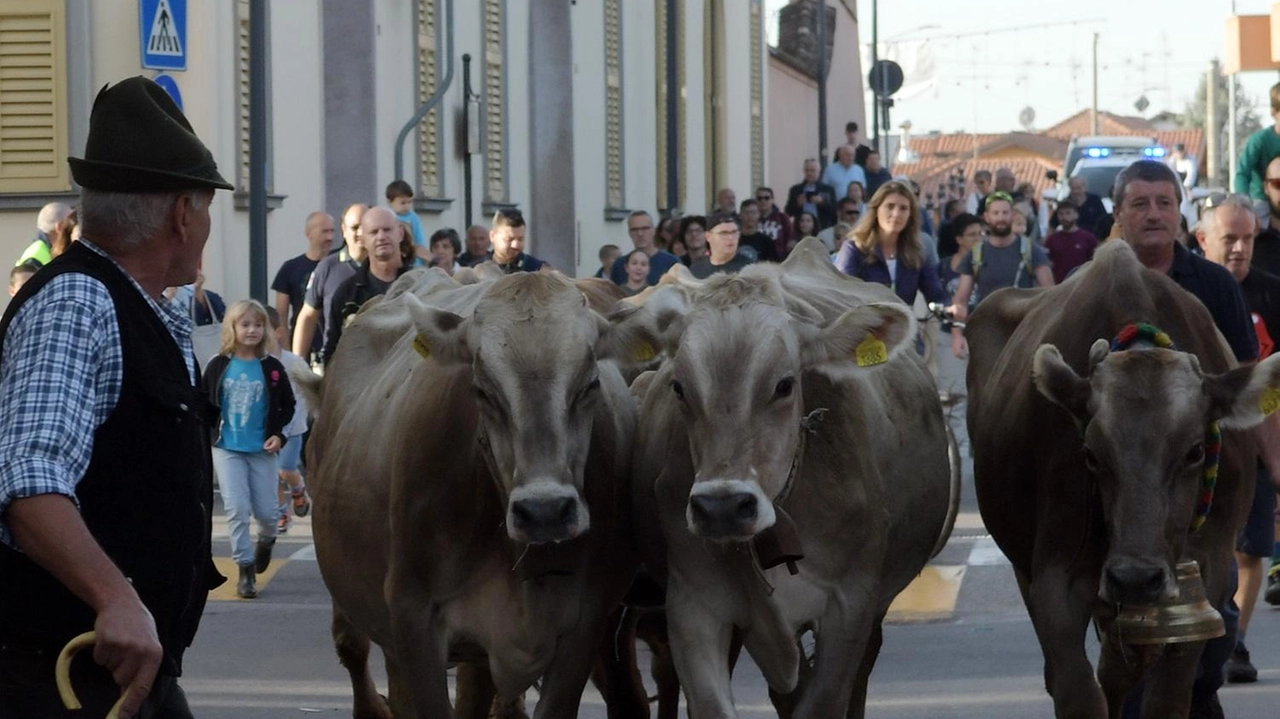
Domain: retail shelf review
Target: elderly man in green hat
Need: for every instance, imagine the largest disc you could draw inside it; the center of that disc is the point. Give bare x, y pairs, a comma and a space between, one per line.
105, 475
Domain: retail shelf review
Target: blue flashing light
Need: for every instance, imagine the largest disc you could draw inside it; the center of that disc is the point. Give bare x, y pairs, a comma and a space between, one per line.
1098, 152
1153, 151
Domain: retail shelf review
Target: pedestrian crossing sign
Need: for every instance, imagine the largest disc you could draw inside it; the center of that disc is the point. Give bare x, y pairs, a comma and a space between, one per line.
164, 34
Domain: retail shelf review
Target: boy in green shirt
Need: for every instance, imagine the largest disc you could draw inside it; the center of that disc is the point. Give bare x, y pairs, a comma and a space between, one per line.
1261, 148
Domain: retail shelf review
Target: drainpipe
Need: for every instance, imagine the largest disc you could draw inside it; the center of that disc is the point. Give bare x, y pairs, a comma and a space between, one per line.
258, 150
470, 115
435, 99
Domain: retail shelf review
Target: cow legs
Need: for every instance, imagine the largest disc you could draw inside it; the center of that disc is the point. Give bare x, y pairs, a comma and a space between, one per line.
844, 638
1120, 668
352, 646
475, 692
616, 673
662, 667
417, 647
700, 645
1060, 612
1168, 691
398, 694
570, 667
858, 702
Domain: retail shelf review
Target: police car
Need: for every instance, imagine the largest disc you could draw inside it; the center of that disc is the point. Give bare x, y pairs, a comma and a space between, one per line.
1099, 160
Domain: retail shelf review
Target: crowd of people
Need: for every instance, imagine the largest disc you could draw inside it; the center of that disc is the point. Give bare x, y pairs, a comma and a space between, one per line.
100, 340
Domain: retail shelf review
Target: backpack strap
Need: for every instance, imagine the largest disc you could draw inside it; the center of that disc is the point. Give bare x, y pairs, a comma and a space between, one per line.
977, 260
1024, 269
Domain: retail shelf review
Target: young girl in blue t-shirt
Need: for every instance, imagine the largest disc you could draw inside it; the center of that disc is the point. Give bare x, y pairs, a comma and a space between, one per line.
255, 402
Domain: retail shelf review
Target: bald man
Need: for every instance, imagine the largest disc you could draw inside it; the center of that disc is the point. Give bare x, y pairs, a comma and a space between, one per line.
331, 272
48, 224
477, 246
290, 284
380, 233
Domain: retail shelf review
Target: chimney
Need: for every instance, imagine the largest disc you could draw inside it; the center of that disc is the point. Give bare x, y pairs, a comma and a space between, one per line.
797, 34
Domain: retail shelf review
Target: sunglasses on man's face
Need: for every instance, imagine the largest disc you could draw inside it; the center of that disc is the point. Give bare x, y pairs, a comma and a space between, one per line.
764, 198
1273, 183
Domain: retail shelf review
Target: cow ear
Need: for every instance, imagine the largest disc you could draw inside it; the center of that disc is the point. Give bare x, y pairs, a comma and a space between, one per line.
1060, 384
636, 334
869, 335
441, 335
1244, 396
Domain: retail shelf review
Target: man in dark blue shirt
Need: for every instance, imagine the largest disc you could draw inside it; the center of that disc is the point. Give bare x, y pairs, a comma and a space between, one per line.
640, 227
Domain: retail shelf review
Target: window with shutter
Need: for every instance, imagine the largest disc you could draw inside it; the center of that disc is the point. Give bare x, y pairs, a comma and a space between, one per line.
33, 97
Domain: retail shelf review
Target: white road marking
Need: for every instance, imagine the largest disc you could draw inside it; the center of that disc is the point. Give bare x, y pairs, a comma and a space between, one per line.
985, 553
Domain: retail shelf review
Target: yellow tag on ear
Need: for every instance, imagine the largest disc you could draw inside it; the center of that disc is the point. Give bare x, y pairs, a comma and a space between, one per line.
1270, 401
871, 352
421, 345
644, 352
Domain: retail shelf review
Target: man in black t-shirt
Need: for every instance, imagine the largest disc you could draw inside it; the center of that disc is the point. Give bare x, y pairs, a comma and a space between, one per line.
753, 236
331, 272
290, 284
380, 235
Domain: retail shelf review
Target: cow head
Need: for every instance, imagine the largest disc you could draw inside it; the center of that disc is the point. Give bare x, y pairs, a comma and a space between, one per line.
1144, 415
739, 348
530, 348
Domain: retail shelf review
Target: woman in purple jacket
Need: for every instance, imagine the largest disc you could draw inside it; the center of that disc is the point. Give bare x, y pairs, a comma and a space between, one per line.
885, 247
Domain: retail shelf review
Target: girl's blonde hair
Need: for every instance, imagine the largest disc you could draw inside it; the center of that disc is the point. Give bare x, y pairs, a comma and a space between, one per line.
866, 236
234, 313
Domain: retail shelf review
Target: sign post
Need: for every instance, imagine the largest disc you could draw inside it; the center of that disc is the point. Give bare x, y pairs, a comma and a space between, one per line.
163, 26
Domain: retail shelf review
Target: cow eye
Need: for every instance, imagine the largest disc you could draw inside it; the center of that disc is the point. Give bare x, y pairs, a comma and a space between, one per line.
784, 387
1195, 455
481, 395
590, 389
677, 388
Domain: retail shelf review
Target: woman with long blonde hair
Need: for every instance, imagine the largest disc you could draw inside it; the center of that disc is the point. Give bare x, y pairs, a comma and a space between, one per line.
885, 247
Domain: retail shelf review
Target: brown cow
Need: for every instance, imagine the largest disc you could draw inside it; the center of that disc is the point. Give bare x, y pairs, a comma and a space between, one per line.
760, 416
1088, 465
469, 460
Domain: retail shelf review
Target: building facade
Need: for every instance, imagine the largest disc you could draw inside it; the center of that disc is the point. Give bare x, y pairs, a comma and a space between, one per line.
577, 110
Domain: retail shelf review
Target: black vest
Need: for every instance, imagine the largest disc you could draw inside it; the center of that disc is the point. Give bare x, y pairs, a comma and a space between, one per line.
147, 494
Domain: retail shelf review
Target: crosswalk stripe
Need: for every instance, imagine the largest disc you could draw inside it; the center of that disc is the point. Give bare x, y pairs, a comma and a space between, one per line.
986, 553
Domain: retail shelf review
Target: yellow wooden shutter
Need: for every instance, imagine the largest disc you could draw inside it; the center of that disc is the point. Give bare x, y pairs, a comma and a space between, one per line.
33, 96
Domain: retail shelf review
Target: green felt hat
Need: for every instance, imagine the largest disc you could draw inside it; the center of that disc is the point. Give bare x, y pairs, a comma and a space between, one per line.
139, 141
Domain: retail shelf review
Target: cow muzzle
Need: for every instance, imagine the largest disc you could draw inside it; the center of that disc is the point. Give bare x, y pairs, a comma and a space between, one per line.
728, 510
1133, 581
546, 512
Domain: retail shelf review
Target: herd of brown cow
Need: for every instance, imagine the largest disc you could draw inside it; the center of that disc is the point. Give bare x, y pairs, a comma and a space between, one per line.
517, 475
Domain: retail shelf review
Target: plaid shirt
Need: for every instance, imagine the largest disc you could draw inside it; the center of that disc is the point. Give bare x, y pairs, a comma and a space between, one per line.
60, 380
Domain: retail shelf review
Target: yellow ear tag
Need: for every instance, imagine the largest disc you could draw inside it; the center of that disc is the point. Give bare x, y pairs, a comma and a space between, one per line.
644, 352
1270, 401
871, 352
422, 347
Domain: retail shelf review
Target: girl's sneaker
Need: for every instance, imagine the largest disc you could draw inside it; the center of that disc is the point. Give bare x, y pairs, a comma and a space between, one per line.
282, 524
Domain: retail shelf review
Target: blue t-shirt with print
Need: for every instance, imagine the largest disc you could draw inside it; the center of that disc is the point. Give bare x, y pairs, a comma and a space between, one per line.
244, 406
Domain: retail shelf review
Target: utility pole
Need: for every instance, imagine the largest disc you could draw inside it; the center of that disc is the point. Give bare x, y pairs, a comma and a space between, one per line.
875, 59
1231, 122
1093, 111
258, 150
1211, 122
822, 82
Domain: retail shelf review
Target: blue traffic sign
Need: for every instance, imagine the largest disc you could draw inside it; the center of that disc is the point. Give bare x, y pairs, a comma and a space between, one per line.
170, 86
164, 34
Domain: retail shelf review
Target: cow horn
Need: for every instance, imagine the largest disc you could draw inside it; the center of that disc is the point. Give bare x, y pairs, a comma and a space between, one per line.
1098, 352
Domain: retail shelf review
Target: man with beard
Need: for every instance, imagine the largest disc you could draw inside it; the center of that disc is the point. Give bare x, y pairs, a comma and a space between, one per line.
508, 239
1266, 256
999, 261
380, 233
1091, 213
774, 223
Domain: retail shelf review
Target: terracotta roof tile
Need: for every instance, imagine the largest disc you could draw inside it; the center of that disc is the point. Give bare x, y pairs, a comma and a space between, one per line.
1108, 124
935, 182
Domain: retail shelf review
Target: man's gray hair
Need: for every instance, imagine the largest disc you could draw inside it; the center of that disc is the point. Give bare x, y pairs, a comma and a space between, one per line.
1209, 217
50, 215
130, 218
1145, 171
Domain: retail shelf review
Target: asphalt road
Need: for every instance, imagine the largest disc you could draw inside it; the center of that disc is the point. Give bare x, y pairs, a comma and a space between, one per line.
972, 654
